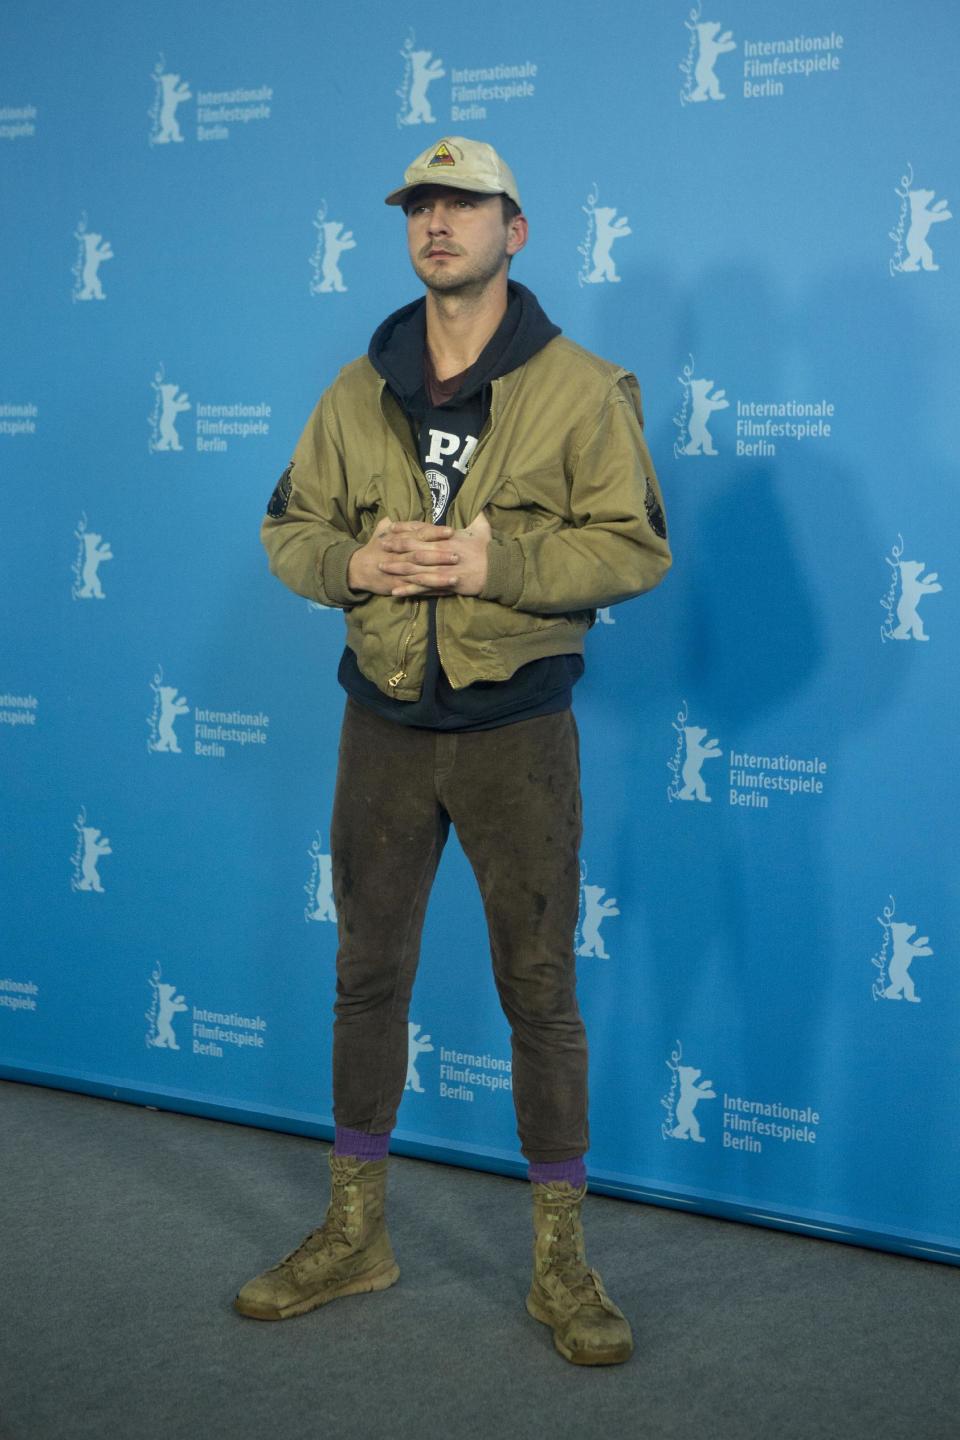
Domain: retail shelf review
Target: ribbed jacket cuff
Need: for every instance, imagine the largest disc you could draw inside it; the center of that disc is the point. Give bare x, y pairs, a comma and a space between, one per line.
333, 572
504, 581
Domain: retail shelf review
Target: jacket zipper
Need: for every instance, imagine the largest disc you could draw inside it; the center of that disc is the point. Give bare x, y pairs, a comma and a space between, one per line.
394, 680
400, 673
443, 663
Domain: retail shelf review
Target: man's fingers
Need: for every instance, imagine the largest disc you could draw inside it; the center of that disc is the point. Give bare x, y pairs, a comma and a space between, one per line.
408, 592
420, 530
426, 582
432, 579
406, 544
416, 560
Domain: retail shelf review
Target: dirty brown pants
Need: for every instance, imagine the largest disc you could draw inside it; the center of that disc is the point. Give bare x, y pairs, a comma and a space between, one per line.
513, 795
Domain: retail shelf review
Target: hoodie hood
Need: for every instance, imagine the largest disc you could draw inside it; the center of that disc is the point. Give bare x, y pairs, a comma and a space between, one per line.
397, 348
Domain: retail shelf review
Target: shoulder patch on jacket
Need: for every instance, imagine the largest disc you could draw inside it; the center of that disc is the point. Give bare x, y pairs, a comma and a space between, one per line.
280, 499
655, 515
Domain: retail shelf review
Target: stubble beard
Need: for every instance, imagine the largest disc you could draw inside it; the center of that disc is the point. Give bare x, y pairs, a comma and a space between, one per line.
466, 284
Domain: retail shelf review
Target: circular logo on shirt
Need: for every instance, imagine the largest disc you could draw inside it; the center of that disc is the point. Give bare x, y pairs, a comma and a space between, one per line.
440, 490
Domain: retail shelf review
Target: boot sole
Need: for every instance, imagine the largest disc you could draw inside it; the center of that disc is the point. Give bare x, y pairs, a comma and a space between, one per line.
380, 1279
615, 1355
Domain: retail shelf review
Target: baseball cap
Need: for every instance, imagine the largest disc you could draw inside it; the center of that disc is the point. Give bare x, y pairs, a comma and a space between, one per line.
461, 164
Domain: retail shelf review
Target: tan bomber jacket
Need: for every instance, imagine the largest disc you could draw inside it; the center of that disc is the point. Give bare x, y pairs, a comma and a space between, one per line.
563, 473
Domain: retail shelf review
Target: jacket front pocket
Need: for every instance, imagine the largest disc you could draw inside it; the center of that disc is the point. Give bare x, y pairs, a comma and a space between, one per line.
522, 503
370, 507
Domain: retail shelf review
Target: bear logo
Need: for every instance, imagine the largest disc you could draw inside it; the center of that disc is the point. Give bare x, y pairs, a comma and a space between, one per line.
905, 950
922, 216
417, 1045
912, 590
173, 402
692, 1091
171, 706
607, 231
694, 787
334, 241
595, 912
94, 553
712, 45
173, 93
94, 845
319, 887
425, 71
95, 251
170, 1004
704, 404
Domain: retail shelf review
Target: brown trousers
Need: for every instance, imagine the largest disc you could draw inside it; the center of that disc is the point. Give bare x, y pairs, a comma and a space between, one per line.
513, 795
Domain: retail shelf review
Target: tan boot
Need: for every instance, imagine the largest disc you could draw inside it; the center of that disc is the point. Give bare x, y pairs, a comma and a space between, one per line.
588, 1329
348, 1254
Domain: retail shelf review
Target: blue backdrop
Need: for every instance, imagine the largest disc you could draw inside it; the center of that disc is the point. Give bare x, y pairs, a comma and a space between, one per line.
748, 205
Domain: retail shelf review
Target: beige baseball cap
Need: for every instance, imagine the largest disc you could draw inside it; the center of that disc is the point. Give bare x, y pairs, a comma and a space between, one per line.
461, 164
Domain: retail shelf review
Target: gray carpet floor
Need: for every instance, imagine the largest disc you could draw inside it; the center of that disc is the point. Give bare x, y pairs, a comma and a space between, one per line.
126, 1232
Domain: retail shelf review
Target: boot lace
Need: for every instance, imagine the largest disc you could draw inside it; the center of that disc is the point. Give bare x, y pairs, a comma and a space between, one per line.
564, 1257
332, 1233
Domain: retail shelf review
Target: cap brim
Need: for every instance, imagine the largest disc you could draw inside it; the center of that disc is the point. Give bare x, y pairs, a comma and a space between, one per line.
446, 182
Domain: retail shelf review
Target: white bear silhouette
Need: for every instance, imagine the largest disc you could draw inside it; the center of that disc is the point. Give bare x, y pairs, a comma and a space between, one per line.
922, 216
174, 402
691, 1093
694, 787
93, 554
322, 907
704, 404
416, 1046
604, 617
712, 44
597, 911
608, 230
170, 1004
94, 252
334, 245
94, 845
425, 70
904, 950
171, 705
173, 94
912, 591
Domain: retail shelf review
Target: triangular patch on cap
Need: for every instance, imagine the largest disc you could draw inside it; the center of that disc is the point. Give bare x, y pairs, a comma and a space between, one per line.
441, 156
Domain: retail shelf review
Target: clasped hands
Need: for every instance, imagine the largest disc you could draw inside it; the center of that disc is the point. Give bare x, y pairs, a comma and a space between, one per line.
406, 558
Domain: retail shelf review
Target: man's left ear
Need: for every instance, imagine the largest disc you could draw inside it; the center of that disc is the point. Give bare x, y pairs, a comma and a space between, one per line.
519, 231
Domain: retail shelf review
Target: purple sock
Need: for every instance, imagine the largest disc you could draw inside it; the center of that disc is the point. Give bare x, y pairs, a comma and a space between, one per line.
547, 1172
360, 1145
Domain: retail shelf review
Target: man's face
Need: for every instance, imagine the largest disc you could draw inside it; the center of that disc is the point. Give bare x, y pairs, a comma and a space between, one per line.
458, 240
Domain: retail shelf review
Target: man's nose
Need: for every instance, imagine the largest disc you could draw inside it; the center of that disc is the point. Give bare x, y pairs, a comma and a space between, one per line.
439, 222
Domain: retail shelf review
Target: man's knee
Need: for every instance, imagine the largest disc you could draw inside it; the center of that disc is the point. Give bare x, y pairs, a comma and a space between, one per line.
542, 995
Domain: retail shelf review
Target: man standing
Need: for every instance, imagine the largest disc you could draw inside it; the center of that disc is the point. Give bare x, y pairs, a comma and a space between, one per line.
468, 493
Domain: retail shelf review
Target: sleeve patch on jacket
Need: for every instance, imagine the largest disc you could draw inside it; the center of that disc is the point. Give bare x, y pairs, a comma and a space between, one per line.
280, 498
655, 515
